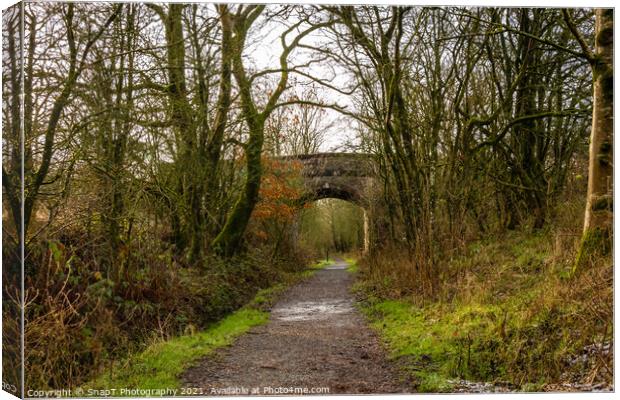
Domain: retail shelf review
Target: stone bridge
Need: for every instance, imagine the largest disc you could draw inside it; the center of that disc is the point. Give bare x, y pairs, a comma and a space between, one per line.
345, 176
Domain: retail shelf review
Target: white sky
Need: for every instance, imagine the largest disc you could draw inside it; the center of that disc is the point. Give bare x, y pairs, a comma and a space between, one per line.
265, 54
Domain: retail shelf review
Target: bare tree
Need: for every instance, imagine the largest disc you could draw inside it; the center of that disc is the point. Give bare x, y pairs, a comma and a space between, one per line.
229, 239
80, 35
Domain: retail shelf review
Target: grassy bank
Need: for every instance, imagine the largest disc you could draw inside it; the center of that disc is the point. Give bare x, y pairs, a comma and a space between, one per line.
160, 365
353, 267
507, 311
322, 263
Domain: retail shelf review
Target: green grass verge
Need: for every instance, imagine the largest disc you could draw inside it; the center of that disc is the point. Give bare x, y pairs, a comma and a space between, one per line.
513, 321
265, 298
353, 267
322, 264
160, 364
433, 345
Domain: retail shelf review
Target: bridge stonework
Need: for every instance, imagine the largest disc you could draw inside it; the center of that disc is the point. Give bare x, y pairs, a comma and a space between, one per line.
346, 176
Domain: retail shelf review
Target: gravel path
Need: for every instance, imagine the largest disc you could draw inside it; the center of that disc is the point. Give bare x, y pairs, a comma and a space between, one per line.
315, 342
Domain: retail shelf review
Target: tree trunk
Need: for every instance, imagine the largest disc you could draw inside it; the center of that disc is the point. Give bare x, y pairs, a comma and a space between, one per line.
228, 241
599, 200
214, 146
598, 220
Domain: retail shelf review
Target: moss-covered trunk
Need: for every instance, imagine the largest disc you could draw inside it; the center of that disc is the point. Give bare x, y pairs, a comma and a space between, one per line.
214, 145
189, 172
599, 201
599, 212
228, 242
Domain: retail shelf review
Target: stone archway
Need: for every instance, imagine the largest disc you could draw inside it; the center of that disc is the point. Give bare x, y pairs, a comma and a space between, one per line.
344, 176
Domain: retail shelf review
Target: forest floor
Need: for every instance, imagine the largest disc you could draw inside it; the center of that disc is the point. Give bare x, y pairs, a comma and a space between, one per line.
316, 341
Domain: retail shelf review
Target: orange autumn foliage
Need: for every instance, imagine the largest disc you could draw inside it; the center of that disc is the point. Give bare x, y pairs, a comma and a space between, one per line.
279, 191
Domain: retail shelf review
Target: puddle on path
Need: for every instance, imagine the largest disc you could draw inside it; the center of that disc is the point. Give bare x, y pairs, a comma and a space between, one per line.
312, 310
338, 266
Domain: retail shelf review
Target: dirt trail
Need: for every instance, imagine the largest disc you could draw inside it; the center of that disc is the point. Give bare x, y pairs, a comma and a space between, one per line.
315, 338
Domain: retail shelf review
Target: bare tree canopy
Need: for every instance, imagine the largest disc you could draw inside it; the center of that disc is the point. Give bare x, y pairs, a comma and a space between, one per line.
164, 162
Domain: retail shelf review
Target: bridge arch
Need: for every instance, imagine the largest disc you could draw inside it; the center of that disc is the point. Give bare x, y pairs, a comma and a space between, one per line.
344, 176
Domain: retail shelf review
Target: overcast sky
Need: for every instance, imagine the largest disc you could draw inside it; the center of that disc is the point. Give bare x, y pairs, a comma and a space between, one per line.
265, 54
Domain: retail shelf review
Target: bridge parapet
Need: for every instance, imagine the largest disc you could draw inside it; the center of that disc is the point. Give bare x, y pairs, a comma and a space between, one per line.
345, 176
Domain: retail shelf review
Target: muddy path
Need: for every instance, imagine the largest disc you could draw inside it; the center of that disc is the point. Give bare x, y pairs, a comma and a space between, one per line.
315, 342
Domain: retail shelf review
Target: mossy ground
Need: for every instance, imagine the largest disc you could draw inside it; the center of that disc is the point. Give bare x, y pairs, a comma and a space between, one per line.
322, 263
594, 243
353, 267
506, 312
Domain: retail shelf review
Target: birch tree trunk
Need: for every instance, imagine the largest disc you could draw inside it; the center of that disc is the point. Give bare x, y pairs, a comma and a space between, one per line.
598, 222
599, 201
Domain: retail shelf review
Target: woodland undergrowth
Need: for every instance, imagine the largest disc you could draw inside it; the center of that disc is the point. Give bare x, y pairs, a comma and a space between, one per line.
79, 322
506, 308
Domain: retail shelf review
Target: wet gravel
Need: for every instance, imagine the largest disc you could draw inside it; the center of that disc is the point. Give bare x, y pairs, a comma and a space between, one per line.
569, 381
465, 386
315, 342
585, 373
